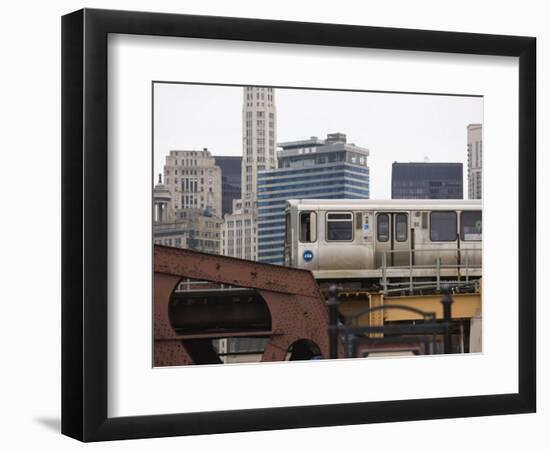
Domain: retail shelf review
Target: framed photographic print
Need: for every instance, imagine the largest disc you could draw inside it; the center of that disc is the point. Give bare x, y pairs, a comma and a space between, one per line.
266, 224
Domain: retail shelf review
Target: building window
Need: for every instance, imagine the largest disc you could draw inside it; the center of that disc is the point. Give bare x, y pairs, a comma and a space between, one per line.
443, 226
339, 226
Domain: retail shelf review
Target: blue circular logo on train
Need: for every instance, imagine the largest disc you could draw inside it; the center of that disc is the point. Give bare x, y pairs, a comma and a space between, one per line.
308, 255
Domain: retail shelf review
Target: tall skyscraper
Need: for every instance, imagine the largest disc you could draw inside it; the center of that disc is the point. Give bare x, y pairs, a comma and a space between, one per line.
475, 154
311, 168
259, 134
239, 232
426, 180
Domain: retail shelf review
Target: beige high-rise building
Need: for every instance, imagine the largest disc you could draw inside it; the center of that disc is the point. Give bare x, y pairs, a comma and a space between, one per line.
166, 230
203, 231
259, 136
183, 228
239, 231
188, 205
475, 158
194, 181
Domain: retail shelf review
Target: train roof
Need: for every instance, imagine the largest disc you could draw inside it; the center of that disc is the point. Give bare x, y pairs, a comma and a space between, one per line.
386, 204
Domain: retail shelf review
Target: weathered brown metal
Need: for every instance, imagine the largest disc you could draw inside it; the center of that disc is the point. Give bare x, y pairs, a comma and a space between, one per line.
234, 271
168, 350
219, 309
296, 305
294, 318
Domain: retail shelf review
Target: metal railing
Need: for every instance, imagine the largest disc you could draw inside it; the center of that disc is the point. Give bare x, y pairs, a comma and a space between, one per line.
465, 263
350, 333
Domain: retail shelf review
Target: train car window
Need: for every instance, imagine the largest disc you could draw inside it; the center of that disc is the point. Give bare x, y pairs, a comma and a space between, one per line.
308, 222
339, 227
470, 225
443, 226
383, 227
401, 227
339, 216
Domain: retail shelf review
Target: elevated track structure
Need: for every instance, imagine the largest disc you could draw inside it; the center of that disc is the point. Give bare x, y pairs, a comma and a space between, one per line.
202, 298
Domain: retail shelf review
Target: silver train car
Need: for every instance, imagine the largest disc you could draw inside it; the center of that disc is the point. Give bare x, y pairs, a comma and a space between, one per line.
385, 240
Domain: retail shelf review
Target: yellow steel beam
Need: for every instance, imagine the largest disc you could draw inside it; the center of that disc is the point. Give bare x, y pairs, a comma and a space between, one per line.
349, 308
376, 318
465, 306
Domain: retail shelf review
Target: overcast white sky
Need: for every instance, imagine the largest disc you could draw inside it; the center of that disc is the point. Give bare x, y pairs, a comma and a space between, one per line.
394, 127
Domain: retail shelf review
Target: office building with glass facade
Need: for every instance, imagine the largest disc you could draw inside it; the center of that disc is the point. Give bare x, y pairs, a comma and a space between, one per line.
314, 168
426, 180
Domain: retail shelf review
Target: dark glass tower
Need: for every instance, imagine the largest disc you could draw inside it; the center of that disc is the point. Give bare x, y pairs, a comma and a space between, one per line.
426, 181
231, 180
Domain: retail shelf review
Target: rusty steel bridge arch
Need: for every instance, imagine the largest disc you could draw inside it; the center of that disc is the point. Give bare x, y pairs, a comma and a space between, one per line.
296, 305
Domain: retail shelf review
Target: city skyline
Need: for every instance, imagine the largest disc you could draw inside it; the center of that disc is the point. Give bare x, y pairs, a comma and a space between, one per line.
394, 127
306, 207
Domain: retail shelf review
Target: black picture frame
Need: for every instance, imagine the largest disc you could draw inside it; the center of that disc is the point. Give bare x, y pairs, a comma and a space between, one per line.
84, 224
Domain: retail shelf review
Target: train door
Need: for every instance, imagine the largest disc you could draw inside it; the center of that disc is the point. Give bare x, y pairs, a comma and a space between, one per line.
392, 238
383, 239
400, 239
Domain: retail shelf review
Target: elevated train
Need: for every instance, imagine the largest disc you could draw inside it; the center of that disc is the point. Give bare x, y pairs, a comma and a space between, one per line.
386, 243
